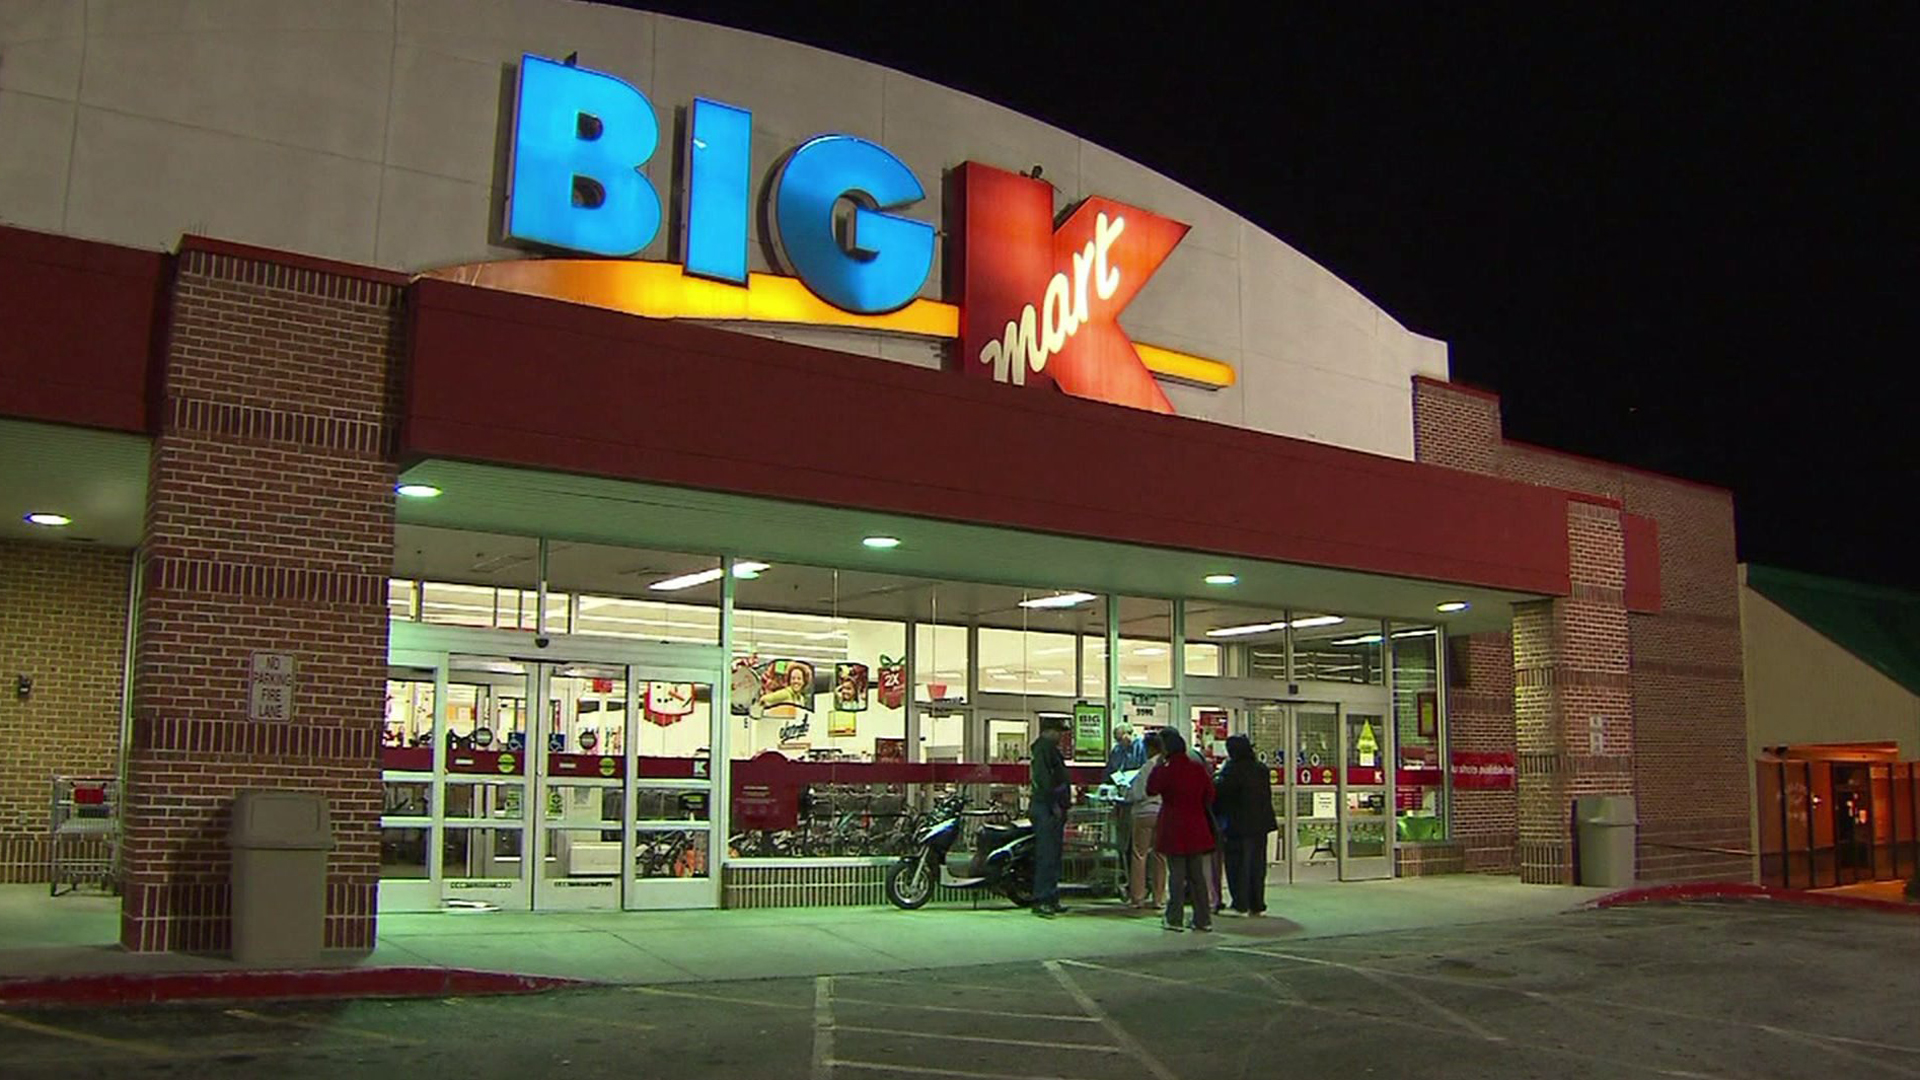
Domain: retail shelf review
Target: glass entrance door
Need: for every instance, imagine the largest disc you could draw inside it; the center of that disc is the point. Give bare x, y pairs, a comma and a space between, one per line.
523, 783
1312, 820
1364, 806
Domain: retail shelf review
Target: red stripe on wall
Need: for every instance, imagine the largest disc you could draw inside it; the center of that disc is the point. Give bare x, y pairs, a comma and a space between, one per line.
1642, 537
501, 378
81, 321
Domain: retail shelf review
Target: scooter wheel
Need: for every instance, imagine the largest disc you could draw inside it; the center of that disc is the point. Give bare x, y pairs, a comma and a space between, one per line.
910, 883
1018, 888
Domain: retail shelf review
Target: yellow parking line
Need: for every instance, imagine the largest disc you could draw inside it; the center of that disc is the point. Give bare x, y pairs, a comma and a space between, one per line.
131, 1046
364, 1034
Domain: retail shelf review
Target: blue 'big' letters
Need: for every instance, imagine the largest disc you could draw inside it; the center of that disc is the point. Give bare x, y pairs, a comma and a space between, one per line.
581, 136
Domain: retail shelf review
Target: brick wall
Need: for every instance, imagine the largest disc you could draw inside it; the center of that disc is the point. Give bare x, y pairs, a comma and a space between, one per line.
63, 621
1683, 727
269, 528
1486, 823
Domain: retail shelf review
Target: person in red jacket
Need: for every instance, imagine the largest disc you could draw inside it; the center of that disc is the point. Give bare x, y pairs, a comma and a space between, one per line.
1185, 832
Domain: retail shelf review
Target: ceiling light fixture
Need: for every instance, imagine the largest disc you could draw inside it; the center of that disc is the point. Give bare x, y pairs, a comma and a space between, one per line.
417, 491
747, 570
882, 543
1269, 627
1452, 606
1058, 600
48, 519
1223, 579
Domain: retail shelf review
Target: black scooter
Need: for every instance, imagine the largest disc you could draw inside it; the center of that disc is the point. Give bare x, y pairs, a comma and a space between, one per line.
1002, 860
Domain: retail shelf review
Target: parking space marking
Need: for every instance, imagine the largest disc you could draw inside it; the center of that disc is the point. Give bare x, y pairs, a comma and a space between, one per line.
508, 1005
933, 979
963, 1074
1114, 1030
363, 1034
1063, 1018
1391, 982
727, 999
822, 1028
131, 1046
1839, 1051
1098, 1048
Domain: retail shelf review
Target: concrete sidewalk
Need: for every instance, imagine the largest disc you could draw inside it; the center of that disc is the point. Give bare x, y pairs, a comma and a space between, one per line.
73, 935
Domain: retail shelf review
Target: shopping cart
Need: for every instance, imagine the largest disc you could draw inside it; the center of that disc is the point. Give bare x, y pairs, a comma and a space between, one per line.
84, 833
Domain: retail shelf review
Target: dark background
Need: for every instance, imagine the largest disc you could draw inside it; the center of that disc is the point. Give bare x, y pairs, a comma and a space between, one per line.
1681, 237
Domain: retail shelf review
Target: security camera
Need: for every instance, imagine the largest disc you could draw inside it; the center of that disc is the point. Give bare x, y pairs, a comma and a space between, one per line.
542, 641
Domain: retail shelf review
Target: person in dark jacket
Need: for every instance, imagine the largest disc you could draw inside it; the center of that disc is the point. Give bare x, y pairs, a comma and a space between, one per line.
1185, 833
1051, 794
1244, 799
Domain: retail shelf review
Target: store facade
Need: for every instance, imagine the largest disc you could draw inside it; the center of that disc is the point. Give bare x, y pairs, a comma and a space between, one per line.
642, 479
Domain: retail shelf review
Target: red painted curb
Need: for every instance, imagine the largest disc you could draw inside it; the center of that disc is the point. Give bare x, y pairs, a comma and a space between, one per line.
144, 989
1740, 890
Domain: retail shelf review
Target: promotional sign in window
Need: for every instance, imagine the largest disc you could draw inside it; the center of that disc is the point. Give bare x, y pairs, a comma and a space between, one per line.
1089, 732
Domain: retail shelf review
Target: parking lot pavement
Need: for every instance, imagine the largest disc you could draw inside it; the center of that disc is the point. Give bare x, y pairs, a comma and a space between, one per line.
1745, 991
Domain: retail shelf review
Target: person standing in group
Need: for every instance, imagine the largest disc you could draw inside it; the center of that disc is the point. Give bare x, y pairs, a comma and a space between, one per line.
1050, 795
1144, 862
1213, 821
1127, 752
1244, 798
1185, 831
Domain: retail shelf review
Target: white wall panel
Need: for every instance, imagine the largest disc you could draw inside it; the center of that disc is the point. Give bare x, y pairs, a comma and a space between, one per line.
36, 133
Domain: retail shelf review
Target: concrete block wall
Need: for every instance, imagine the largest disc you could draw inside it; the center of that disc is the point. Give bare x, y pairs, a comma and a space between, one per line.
63, 622
269, 528
1680, 736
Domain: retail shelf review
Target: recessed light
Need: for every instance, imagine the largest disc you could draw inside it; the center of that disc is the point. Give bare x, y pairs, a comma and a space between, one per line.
1452, 606
882, 543
1223, 579
50, 520
417, 491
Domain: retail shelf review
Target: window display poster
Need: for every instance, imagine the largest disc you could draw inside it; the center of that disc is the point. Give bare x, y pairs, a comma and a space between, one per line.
1210, 733
1089, 733
892, 678
890, 751
1009, 746
849, 688
668, 703
842, 724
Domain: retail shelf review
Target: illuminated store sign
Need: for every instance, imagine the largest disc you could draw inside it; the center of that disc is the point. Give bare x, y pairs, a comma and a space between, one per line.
580, 138
1036, 305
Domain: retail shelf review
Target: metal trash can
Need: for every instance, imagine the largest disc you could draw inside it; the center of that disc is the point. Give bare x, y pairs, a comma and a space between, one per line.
280, 841
1606, 825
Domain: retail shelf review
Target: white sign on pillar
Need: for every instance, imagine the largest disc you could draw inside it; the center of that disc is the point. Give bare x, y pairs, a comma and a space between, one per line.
270, 687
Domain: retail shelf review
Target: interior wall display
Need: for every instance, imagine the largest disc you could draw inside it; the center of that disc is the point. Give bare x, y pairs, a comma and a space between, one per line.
890, 751
1089, 732
745, 685
1428, 707
1367, 747
668, 703
892, 678
1009, 745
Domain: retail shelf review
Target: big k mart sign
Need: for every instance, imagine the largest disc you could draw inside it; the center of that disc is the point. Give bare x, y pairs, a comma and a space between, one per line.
1033, 301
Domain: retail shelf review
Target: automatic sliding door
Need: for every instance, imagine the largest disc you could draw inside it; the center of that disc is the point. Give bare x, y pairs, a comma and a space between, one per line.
674, 727
1365, 817
584, 722
1314, 781
485, 793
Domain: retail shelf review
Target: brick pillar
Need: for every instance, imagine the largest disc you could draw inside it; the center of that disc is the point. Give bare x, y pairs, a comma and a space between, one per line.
1570, 665
269, 528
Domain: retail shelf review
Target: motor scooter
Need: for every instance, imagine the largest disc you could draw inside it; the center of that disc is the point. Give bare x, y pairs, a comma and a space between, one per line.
1002, 859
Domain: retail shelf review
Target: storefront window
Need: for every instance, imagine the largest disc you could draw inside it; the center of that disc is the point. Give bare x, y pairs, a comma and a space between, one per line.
400, 595
1237, 641
1421, 771
1337, 648
637, 594
1026, 662
1146, 636
940, 655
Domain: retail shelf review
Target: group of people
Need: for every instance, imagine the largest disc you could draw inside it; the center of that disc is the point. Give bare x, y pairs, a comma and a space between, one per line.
1188, 824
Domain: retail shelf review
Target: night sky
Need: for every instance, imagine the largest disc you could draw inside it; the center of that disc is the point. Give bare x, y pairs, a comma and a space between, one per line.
1683, 237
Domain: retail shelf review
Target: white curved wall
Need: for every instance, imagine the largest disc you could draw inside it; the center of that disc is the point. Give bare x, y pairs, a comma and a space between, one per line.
369, 130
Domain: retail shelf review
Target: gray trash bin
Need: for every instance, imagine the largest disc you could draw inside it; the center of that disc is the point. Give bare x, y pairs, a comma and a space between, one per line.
280, 841
1606, 826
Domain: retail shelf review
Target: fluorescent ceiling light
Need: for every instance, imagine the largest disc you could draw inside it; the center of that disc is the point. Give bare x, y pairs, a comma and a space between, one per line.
1269, 627
50, 520
882, 543
417, 491
1151, 650
1364, 639
688, 581
1223, 579
1452, 606
1058, 600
